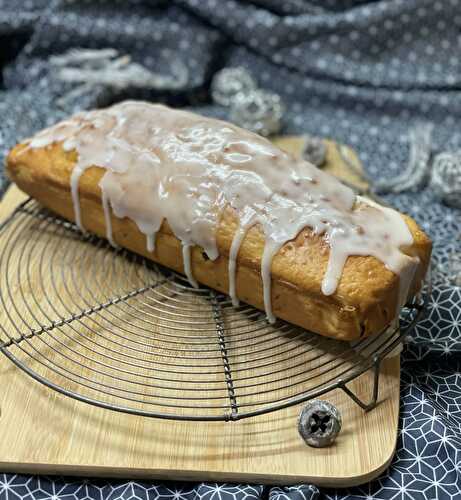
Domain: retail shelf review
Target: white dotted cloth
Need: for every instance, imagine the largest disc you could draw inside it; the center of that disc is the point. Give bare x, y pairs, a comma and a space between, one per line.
361, 72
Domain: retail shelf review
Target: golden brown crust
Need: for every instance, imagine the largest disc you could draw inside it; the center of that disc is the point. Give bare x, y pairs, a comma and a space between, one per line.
364, 302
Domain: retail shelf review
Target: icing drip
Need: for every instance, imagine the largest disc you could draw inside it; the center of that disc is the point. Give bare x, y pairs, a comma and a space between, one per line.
163, 164
74, 181
407, 274
186, 249
106, 208
247, 220
150, 242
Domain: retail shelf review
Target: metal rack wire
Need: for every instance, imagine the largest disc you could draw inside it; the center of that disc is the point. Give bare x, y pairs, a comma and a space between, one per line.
110, 328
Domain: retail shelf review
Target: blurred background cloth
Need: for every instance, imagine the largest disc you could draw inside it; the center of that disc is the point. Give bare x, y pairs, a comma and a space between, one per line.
360, 72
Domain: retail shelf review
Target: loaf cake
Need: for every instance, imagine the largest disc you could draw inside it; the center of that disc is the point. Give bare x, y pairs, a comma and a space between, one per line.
231, 211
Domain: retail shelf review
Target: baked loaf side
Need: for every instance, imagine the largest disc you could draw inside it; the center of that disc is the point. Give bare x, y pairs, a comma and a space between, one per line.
365, 301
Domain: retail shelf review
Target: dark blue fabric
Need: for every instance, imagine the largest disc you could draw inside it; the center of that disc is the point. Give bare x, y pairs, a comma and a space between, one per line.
361, 72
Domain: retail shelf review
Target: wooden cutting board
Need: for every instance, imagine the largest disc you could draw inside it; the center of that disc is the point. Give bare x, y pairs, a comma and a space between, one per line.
46, 432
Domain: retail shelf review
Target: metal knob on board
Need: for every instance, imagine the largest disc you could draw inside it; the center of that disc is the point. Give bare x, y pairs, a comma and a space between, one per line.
319, 423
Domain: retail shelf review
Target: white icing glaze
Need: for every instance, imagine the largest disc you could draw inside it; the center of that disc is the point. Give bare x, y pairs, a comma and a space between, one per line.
150, 242
233, 254
186, 249
106, 208
163, 164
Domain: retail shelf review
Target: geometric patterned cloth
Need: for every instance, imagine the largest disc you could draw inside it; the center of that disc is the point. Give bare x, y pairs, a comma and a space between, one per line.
360, 72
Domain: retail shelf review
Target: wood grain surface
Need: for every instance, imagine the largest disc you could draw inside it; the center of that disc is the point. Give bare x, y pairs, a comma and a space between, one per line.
46, 432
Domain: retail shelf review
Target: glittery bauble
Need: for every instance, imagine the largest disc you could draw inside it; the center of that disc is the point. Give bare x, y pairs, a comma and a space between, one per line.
258, 111
446, 178
230, 83
314, 150
319, 423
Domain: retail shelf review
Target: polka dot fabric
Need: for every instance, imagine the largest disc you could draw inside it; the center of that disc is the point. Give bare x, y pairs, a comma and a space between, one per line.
360, 72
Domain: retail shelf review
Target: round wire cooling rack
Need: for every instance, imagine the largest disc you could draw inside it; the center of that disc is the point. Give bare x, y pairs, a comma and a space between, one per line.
110, 328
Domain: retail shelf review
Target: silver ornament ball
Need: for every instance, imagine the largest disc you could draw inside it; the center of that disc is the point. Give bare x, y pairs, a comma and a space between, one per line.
314, 150
258, 111
446, 178
229, 83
